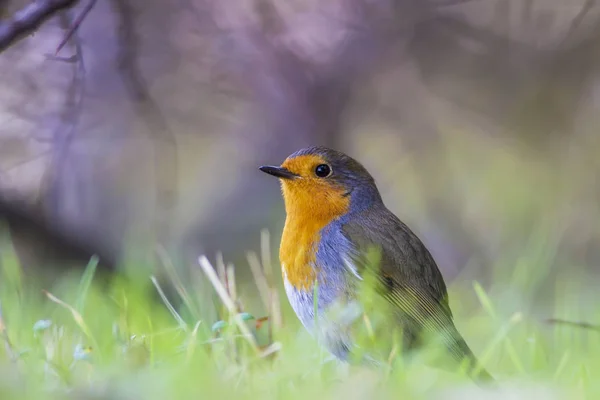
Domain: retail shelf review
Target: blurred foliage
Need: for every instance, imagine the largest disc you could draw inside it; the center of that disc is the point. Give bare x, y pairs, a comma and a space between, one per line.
83, 341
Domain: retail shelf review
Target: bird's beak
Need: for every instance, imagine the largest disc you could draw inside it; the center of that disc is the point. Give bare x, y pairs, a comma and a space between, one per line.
279, 172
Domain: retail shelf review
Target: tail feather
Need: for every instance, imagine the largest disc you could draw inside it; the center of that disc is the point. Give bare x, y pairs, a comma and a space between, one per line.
475, 370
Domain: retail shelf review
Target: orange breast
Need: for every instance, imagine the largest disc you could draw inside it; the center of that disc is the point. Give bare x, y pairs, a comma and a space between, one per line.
298, 252
309, 208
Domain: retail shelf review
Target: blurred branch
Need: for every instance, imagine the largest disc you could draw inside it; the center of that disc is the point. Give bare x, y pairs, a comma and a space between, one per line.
128, 51
449, 3
23, 221
303, 84
64, 135
165, 165
27, 20
75, 25
31, 159
549, 82
585, 9
29, 226
270, 21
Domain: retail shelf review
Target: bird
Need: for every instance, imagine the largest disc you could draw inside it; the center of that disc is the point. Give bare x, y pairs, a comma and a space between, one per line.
356, 276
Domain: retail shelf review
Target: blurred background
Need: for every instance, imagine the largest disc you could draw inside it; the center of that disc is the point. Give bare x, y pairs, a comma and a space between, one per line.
478, 119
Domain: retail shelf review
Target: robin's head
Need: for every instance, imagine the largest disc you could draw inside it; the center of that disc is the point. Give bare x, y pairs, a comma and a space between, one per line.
317, 181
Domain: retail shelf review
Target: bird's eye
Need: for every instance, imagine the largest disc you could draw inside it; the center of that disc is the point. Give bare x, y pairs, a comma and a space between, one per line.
323, 170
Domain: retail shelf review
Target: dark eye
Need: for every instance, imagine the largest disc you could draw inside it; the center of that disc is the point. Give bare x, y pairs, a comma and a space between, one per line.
323, 170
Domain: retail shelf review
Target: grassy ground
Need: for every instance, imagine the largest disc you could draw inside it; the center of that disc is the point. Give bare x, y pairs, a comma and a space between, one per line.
124, 342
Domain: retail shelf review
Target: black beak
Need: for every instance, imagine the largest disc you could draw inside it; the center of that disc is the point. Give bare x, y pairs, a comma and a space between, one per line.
279, 172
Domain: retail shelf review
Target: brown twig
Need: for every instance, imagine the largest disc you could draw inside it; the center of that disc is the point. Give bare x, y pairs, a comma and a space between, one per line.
75, 25
27, 20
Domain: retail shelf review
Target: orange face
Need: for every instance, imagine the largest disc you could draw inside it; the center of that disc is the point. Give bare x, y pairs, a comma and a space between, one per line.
310, 196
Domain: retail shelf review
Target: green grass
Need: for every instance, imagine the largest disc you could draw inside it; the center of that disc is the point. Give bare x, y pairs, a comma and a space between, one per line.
127, 341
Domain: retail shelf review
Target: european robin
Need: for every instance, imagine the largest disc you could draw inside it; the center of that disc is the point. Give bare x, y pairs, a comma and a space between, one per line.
338, 236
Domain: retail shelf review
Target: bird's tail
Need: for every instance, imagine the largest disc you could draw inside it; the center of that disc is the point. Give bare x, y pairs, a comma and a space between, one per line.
474, 369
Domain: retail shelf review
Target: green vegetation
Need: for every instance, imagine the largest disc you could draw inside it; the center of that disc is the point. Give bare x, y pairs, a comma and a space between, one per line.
127, 341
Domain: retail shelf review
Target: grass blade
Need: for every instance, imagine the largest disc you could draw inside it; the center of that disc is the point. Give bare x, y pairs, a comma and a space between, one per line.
484, 299
168, 304
229, 304
77, 317
85, 283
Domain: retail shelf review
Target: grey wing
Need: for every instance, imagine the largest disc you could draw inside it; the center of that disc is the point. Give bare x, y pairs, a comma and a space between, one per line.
404, 260
410, 278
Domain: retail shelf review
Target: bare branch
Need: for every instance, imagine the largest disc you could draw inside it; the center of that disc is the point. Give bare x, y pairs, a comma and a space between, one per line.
76, 25
27, 20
